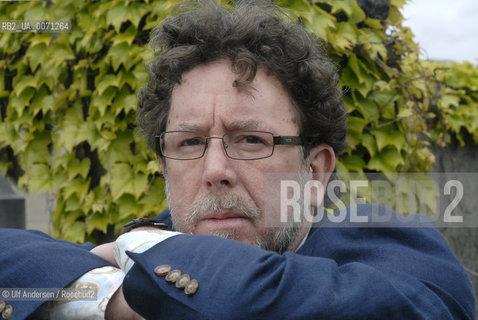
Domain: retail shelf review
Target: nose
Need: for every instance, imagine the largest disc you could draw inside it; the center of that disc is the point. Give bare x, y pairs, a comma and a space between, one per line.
218, 172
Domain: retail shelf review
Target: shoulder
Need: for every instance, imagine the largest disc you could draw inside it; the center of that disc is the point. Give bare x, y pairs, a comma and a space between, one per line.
405, 245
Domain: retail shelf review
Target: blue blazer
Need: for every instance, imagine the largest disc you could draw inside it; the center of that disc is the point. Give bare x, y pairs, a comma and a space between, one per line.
387, 271
32, 259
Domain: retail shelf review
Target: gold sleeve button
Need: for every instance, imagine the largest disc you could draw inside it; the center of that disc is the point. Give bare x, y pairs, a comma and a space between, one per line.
191, 287
162, 270
173, 276
183, 281
7, 312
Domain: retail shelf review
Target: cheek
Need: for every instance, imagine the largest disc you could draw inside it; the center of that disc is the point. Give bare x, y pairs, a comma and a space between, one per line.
253, 181
181, 189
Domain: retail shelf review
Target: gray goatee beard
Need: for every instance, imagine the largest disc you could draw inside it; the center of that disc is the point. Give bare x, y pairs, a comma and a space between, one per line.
278, 239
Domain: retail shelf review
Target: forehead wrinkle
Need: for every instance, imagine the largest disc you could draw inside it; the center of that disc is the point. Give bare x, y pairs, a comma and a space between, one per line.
214, 112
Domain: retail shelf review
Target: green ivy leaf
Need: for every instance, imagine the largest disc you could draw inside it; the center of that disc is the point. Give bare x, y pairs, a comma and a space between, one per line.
127, 206
298, 6
41, 38
18, 102
388, 136
97, 221
36, 55
75, 130
37, 149
79, 167
37, 13
39, 177
78, 186
128, 36
365, 81
386, 161
448, 100
76, 232
42, 101
374, 23
119, 149
366, 107
128, 78
22, 83
319, 22
102, 100
353, 163
154, 199
127, 181
373, 41
345, 35
125, 101
398, 3
109, 80
385, 101
368, 141
405, 113
355, 127
153, 167
116, 16
61, 52
351, 9
90, 42
73, 203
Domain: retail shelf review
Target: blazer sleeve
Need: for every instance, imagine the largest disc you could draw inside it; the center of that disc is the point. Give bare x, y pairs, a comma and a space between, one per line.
32, 259
339, 273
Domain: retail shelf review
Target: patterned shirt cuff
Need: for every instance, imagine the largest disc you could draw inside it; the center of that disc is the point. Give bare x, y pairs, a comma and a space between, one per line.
105, 281
137, 241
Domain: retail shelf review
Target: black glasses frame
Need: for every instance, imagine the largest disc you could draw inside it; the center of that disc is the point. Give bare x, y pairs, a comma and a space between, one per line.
276, 140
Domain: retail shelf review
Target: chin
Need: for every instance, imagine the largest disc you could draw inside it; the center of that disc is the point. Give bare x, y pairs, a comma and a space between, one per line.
232, 234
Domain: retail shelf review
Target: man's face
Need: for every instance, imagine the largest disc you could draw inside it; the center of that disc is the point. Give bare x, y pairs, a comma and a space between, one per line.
215, 194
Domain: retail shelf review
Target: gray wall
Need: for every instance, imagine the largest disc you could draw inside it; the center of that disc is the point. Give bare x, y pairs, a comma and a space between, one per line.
38, 212
18, 210
463, 241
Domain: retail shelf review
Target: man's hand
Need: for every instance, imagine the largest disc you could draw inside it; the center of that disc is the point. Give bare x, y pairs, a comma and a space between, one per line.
105, 251
118, 309
145, 238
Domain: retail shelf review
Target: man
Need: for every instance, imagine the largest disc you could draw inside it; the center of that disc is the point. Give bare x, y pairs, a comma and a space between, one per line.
236, 99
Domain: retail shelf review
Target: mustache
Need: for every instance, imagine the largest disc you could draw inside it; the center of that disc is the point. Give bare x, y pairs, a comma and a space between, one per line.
209, 203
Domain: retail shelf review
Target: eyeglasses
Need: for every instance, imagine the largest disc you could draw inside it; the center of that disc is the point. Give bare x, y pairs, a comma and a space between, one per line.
239, 145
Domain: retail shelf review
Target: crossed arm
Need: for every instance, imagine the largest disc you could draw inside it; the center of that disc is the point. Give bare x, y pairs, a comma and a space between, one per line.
338, 273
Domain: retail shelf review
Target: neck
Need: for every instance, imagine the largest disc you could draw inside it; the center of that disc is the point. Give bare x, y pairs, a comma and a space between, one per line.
304, 231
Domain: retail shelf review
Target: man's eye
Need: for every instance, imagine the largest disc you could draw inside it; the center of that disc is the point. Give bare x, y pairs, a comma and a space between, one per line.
191, 142
252, 140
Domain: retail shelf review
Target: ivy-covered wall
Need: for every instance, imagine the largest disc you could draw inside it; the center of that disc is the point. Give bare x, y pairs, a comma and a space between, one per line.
68, 103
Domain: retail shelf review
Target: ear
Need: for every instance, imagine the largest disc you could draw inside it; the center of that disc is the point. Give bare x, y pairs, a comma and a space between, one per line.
322, 164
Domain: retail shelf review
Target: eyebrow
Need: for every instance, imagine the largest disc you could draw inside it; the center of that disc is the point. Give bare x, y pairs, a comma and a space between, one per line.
188, 127
251, 124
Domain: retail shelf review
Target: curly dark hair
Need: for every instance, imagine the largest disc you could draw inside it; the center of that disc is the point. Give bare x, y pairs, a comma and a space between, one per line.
254, 34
